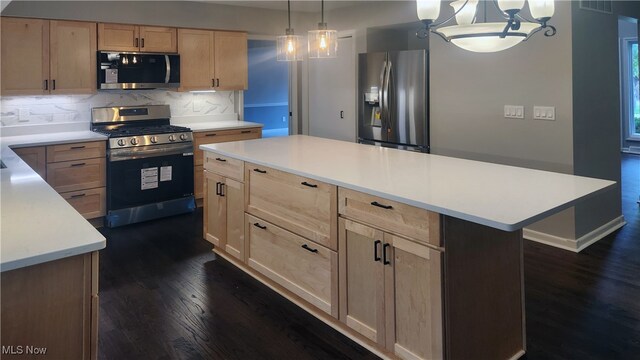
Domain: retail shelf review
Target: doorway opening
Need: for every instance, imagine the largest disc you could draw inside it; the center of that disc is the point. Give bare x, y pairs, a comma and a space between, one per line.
630, 91
267, 99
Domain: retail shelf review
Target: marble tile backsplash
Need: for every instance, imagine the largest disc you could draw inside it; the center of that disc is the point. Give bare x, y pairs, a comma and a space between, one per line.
37, 110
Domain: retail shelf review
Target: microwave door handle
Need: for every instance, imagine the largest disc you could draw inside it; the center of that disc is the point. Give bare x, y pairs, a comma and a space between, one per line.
167, 76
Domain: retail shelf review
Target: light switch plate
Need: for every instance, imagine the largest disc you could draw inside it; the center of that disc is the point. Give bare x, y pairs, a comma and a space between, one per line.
544, 113
514, 112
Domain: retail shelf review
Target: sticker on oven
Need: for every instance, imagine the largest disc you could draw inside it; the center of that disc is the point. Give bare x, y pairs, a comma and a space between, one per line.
165, 173
149, 178
111, 76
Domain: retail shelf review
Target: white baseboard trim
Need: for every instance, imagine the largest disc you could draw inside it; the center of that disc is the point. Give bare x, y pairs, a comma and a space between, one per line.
575, 245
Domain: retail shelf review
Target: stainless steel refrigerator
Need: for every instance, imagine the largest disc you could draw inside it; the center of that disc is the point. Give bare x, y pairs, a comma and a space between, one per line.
393, 100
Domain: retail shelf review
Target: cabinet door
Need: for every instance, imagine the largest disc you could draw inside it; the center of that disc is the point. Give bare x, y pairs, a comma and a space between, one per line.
24, 56
35, 157
413, 299
215, 210
158, 39
231, 69
196, 59
73, 57
234, 192
118, 37
362, 279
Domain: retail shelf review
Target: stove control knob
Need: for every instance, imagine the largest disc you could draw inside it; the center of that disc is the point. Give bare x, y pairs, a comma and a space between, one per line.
172, 137
121, 142
183, 137
134, 141
154, 139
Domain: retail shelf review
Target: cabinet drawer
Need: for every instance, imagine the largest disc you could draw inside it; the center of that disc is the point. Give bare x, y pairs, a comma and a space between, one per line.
301, 205
213, 137
198, 181
417, 224
302, 267
76, 151
225, 166
77, 175
91, 203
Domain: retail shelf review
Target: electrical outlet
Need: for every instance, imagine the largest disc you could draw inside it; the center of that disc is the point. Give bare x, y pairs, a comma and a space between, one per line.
544, 113
514, 112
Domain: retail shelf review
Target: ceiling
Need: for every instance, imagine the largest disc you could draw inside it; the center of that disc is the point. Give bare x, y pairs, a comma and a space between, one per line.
309, 6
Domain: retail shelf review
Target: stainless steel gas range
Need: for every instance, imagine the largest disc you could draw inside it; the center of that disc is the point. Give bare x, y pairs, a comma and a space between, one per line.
149, 163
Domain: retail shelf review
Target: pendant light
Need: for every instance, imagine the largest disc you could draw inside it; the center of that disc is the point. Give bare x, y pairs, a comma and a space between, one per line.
322, 43
472, 35
289, 45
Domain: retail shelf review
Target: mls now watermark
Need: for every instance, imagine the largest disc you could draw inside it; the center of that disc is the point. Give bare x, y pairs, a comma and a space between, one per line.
23, 350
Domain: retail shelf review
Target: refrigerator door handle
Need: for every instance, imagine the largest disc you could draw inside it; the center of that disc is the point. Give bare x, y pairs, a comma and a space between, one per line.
387, 79
381, 90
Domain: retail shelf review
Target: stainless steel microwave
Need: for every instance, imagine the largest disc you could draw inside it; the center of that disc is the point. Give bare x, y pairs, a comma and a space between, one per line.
121, 70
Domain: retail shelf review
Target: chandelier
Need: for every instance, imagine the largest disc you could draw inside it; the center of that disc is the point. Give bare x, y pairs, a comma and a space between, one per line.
472, 35
322, 43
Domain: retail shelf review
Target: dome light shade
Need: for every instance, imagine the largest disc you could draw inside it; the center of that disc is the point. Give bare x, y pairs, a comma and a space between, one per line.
542, 9
428, 9
484, 37
290, 48
466, 11
507, 5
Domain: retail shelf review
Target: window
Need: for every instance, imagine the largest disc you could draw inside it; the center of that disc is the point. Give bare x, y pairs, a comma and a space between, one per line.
635, 89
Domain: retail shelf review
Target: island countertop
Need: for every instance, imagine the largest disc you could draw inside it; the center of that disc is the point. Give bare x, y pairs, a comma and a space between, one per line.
503, 197
36, 224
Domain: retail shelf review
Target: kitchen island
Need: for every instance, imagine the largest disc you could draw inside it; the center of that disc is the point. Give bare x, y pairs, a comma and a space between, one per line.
414, 256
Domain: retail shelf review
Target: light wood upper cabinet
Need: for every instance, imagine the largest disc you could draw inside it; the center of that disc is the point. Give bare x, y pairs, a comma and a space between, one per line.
390, 291
118, 37
212, 60
231, 60
72, 57
48, 57
134, 38
24, 56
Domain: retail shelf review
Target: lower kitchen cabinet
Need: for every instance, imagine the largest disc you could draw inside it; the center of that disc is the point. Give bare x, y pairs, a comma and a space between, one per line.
299, 265
35, 157
51, 306
391, 291
224, 214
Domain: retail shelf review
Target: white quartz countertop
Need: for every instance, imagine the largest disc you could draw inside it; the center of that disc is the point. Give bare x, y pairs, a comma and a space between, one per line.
219, 125
504, 197
36, 224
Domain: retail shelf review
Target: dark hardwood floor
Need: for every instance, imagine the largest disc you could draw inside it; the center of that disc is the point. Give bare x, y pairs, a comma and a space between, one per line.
164, 295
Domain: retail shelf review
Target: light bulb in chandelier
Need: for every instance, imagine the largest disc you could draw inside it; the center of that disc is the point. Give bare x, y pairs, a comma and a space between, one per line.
323, 42
290, 47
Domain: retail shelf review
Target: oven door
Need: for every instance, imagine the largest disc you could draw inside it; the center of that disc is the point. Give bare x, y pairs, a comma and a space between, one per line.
149, 174
138, 71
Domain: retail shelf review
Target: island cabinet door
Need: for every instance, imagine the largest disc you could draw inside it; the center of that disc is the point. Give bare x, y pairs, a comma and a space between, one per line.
362, 280
215, 210
233, 191
413, 299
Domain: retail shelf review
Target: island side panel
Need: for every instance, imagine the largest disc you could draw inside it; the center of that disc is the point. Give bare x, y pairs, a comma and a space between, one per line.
483, 287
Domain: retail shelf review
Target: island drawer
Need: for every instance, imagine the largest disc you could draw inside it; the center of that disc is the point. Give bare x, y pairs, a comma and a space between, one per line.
225, 166
218, 136
77, 175
90, 203
306, 269
76, 151
418, 224
304, 206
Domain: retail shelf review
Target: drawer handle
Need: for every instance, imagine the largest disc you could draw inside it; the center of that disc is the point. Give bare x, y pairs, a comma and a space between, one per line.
260, 171
309, 185
384, 254
376, 255
306, 247
245, 131
221, 159
78, 147
79, 164
218, 188
211, 134
78, 195
259, 226
375, 203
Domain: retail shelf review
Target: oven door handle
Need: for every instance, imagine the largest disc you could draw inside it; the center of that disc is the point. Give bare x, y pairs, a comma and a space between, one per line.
150, 151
